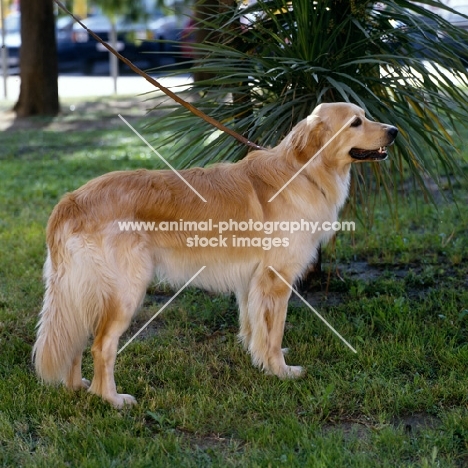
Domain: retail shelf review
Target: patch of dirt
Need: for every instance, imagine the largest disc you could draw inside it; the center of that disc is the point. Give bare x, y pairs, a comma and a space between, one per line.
333, 288
350, 429
321, 298
362, 428
415, 423
363, 271
211, 442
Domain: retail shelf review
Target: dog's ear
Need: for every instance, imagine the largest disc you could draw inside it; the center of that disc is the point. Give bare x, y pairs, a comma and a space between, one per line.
307, 137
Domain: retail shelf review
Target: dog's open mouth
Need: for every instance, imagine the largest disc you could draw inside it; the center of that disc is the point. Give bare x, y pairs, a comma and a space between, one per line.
369, 155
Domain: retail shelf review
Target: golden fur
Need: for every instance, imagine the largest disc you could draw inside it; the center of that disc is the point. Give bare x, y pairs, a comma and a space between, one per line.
96, 275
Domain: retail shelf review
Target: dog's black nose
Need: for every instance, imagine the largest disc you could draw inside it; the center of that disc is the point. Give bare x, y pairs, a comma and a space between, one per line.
393, 132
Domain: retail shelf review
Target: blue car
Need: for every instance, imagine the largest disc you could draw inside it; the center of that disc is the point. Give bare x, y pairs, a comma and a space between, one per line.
139, 42
77, 51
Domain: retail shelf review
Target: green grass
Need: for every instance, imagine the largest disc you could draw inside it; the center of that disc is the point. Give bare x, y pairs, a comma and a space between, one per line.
402, 301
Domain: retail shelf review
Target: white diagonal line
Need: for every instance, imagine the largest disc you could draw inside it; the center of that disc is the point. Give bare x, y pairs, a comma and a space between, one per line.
313, 310
161, 309
312, 158
165, 161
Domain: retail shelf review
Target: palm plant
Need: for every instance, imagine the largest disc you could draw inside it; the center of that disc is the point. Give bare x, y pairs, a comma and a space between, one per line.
268, 65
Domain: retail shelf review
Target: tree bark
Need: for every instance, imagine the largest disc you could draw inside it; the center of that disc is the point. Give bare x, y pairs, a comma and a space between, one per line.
206, 10
38, 60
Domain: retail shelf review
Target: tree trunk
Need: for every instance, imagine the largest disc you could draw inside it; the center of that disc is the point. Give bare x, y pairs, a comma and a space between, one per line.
206, 10
38, 60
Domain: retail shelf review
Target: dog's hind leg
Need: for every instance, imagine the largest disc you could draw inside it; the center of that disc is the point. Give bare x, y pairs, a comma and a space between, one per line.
116, 318
104, 351
114, 323
132, 277
268, 302
74, 381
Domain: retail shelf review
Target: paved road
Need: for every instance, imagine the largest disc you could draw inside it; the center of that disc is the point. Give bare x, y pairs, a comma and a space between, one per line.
71, 86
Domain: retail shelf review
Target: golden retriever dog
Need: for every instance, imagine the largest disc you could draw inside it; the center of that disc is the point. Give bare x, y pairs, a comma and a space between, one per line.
97, 273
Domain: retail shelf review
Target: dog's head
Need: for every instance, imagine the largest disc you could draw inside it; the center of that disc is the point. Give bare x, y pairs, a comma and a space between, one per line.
341, 134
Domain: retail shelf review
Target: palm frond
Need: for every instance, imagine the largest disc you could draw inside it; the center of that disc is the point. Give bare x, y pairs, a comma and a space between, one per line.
399, 61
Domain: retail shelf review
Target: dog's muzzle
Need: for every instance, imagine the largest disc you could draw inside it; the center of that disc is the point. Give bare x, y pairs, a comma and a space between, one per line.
378, 154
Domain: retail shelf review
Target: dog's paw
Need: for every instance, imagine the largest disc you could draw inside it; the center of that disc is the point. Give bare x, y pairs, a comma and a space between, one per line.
121, 399
85, 383
286, 372
290, 372
293, 372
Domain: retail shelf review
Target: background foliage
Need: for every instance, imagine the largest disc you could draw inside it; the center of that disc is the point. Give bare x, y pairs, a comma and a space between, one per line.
267, 66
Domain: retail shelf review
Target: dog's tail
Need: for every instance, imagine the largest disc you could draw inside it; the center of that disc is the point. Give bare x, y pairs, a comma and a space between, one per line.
75, 296
63, 326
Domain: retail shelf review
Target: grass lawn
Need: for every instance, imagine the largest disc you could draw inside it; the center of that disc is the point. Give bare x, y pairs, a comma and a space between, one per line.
397, 292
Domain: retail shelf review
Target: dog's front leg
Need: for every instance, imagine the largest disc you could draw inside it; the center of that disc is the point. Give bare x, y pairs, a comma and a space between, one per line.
267, 309
245, 331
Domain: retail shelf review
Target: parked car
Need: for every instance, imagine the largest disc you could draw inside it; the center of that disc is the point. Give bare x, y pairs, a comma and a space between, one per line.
143, 43
147, 43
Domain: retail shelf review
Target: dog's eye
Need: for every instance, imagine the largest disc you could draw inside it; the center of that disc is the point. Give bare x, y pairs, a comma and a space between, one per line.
356, 123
